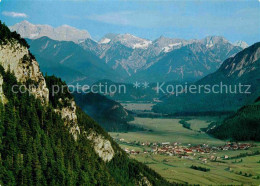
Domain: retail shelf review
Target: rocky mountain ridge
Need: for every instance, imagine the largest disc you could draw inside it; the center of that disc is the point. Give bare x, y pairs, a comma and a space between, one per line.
241, 69
62, 33
129, 58
119, 53
241, 44
119, 63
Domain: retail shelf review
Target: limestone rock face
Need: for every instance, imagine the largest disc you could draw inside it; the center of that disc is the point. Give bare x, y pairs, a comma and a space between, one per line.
18, 60
68, 114
2, 96
102, 146
144, 181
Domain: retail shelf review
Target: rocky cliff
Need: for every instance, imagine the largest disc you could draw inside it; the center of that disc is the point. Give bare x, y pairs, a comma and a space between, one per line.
68, 113
17, 58
102, 146
2, 96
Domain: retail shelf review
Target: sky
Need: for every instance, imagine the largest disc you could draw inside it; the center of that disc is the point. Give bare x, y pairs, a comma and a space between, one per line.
187, 19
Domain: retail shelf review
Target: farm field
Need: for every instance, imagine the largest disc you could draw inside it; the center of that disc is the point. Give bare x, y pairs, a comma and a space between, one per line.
177, 169
169, 130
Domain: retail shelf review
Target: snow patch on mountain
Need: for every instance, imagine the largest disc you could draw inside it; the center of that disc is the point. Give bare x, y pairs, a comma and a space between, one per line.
132, 41
143, 45
241, 44
170, 47
104, 41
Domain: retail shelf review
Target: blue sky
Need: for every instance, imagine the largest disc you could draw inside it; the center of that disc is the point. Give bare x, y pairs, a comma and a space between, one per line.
234, 19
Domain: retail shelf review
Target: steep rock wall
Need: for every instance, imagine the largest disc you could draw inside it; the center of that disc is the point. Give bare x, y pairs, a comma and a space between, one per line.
18, 60
102, 146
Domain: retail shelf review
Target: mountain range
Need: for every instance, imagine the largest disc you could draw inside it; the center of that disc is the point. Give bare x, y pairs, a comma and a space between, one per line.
62, 33
243, 68
125, 57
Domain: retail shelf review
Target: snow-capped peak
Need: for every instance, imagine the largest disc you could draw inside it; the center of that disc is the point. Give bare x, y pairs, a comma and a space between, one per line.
132, 41
104, 41
241, 44
210, 41
61, 33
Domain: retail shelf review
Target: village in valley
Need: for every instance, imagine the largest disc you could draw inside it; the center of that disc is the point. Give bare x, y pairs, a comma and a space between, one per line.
180, 154
203, 152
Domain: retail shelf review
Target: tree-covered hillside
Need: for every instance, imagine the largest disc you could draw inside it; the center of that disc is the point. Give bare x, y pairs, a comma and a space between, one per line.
111, 115
244, 125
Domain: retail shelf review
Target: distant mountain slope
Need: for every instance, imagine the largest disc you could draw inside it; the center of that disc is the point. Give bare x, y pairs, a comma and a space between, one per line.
243, 126
243, 68
191, 61
169, 59
68, 55
110, 114
62, 33
127, 40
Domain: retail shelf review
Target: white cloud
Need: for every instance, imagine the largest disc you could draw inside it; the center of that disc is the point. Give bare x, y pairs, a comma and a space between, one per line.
14, 14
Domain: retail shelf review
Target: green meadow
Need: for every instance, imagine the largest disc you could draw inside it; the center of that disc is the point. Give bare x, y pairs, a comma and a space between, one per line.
169, 130
175, 169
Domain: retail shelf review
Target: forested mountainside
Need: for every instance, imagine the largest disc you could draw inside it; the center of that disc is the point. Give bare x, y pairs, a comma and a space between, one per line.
243, 68
46, 139
243, 126
111, 115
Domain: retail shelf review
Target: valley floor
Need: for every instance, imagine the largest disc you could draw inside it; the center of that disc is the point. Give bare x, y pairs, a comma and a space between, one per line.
170, 149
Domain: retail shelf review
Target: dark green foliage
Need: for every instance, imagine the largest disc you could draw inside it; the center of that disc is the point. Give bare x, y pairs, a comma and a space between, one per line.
57, 90
185, 124
243, 126
37, 149
200, 168
124, 170
110, 114
6, 35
